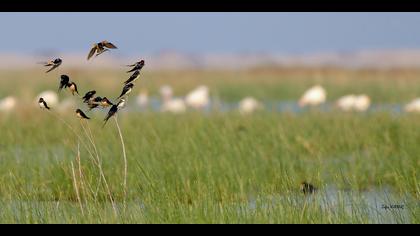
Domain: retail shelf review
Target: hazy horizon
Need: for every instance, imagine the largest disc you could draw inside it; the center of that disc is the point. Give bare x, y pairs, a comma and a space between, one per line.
209, 33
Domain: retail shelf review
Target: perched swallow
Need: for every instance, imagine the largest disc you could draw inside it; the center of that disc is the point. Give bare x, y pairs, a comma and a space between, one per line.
114, 109
137, 66
81, 115
54, 64
93, 103
307, 188
133, 77
64, 82
42, 103
111, 113
121, 104
72, 87
88, 96
100, 48
105, 102
126, 90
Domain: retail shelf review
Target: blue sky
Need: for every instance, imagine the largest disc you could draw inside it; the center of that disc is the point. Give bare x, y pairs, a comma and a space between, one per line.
209, 32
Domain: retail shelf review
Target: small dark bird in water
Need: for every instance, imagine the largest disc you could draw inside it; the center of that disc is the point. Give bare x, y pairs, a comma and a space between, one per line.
43, 104
100, 48
133, 77
126, 90
93, 103
114, 109
73, 88
54, 64
64, 82
307, 188
136, 66
105, 102
81, 115
88, 96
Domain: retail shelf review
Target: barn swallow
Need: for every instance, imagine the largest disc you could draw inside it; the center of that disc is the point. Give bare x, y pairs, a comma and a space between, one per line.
307, 188
42, 103
54, 64
114, 109
81, 115
126, 90
137, 66
111, 113
133, 77
93, 103
105, 102
100, 48
72, 87
89, 95
121, 104
64, 82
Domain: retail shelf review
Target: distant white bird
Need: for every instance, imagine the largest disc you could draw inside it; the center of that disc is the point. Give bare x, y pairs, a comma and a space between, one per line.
198, 98
7, 104
249, 105
413, 106
362, 103
313, 97
354, 103
142, 99
49, 96
346, 103
173, 105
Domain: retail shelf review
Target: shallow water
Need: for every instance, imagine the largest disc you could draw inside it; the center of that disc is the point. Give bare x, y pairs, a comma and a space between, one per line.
273, 106
380, 206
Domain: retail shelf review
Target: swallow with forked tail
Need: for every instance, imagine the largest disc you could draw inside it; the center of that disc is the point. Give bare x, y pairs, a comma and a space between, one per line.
43, 104
133, 77
53, 64
136, 66
81, 115
126, 90
100, 48
64, 82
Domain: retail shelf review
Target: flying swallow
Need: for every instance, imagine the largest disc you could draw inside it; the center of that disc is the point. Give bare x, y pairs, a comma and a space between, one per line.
100, 48
137, 66
133, 77
64, 82
89, 95
114, 109
126, 90
72, 87
93, 103
81, 115
54, 64
42, 103
105, 102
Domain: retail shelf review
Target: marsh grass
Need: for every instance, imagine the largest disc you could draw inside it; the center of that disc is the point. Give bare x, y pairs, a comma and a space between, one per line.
210, 168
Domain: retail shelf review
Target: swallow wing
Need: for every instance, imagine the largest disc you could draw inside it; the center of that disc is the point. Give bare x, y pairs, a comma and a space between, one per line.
132, 77
111, 112
92, 51
108, 44
52, 68
45, 105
